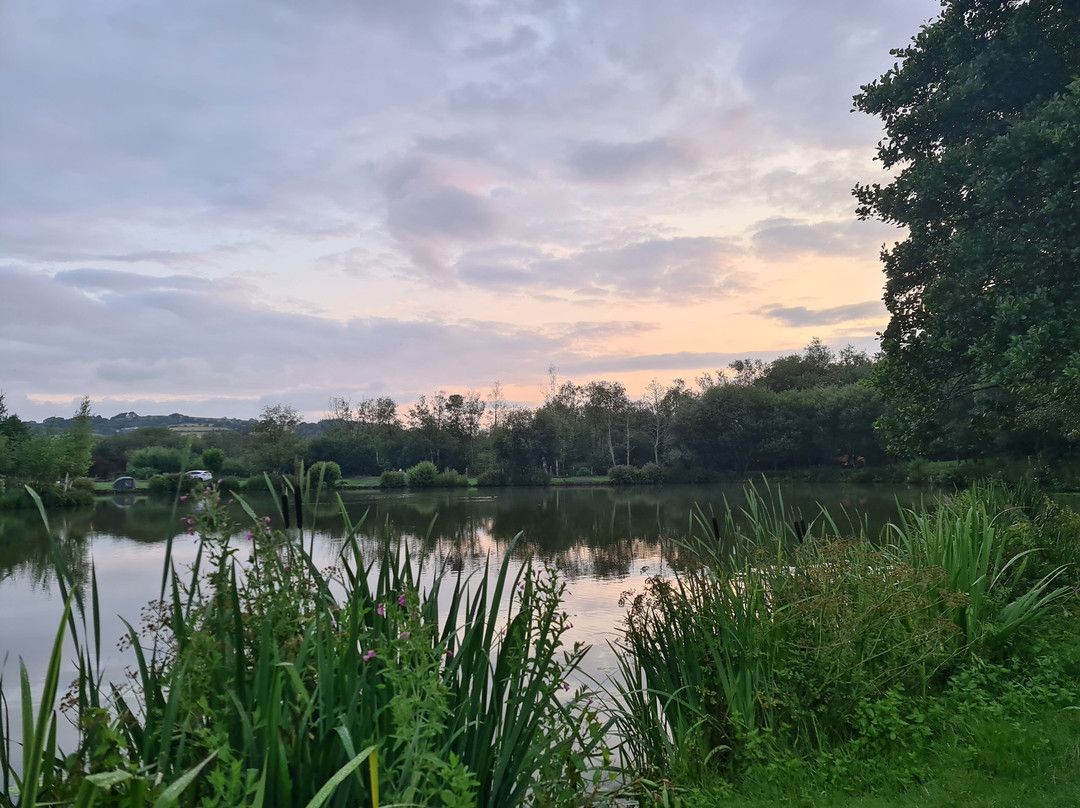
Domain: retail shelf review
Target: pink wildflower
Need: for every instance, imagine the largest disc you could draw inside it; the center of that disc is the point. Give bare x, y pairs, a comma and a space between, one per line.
401, 601
183, 498
381, 609
369, 656
404, 635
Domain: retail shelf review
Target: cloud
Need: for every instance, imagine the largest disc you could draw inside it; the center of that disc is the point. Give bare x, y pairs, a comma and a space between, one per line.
678, 271
781, 238
521, 38
800, 316
174, 167
107, 332
623, 162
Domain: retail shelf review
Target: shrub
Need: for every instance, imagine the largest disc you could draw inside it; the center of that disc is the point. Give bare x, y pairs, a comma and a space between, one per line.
234, 468
649, 474
81, 492
158, 457
213, 459
144, 472
621, 475
162, 484
451, 479
393, 479
229, 485
583, 471
256, 483
491, 478
328, 470
422, 475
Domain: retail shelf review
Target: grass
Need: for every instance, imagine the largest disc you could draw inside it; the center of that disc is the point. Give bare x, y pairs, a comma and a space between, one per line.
782, 665
844, 665
262, 680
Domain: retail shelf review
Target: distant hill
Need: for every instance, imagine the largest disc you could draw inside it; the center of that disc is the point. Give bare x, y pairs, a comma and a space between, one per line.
130, 421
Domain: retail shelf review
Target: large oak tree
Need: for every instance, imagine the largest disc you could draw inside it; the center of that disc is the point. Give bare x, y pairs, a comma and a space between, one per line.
982, 125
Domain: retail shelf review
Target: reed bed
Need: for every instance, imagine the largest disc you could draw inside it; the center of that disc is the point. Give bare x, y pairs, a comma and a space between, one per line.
788, 649
796, 641
261, 680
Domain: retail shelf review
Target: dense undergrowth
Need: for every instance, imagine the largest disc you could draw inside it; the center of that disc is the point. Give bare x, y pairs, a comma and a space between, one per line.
845, 666
261, 680
786, 663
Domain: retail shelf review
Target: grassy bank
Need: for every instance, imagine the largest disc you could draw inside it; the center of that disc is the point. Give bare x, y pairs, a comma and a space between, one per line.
786, 663
809, 671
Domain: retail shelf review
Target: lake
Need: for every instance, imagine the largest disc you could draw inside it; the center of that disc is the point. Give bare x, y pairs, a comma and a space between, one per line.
606, 541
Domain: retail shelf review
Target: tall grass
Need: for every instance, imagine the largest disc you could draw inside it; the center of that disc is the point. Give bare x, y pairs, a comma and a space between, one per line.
263, 680
779, 646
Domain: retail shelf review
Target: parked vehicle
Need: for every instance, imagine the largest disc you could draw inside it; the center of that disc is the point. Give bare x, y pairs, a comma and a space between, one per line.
201, 474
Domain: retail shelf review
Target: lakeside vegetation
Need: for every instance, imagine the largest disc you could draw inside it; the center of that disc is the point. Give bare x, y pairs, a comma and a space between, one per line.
808, 416
935, 664
778, 665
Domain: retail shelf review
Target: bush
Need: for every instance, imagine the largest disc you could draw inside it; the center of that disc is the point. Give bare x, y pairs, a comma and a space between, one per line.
451, 479
393, 479
256, 483
167, 484
583, 471
234, 468
144, 472
649, 474
491, 478
422, 475
621, 475
158, 457
229, 485
328, 470
81, 492
213, 459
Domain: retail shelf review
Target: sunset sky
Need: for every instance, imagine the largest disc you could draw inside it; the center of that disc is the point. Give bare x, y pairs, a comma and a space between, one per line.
210, 206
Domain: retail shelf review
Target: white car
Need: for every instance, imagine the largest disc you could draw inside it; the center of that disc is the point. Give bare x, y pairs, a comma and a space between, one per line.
201, 474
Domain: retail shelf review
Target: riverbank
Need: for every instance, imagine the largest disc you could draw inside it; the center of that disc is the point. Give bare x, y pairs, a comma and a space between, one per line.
992, 684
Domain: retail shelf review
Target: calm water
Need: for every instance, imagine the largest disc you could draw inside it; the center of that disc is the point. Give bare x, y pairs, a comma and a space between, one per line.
606, 541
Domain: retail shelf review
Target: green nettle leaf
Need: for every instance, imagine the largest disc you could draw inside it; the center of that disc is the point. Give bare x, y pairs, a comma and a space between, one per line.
982, 123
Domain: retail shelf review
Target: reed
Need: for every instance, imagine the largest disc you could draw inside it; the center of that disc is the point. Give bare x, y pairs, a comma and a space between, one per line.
781, 646
266, 681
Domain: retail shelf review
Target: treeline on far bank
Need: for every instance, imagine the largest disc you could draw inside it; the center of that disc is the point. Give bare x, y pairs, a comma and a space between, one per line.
810, 414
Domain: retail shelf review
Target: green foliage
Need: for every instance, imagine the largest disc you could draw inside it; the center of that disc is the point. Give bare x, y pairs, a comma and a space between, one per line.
451, 479
832, 661
213, 459
164, 459
326, 470
170, 484
649, 474
393, 479
261, 681
968, 544
229, 485
258, 484
422, 475
492, 478
273, 444
982, 122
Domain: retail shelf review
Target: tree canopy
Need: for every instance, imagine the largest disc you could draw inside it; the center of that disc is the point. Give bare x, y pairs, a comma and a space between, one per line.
982, 133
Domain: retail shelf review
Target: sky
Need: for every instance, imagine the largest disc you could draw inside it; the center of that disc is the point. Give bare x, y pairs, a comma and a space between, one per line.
213, 206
